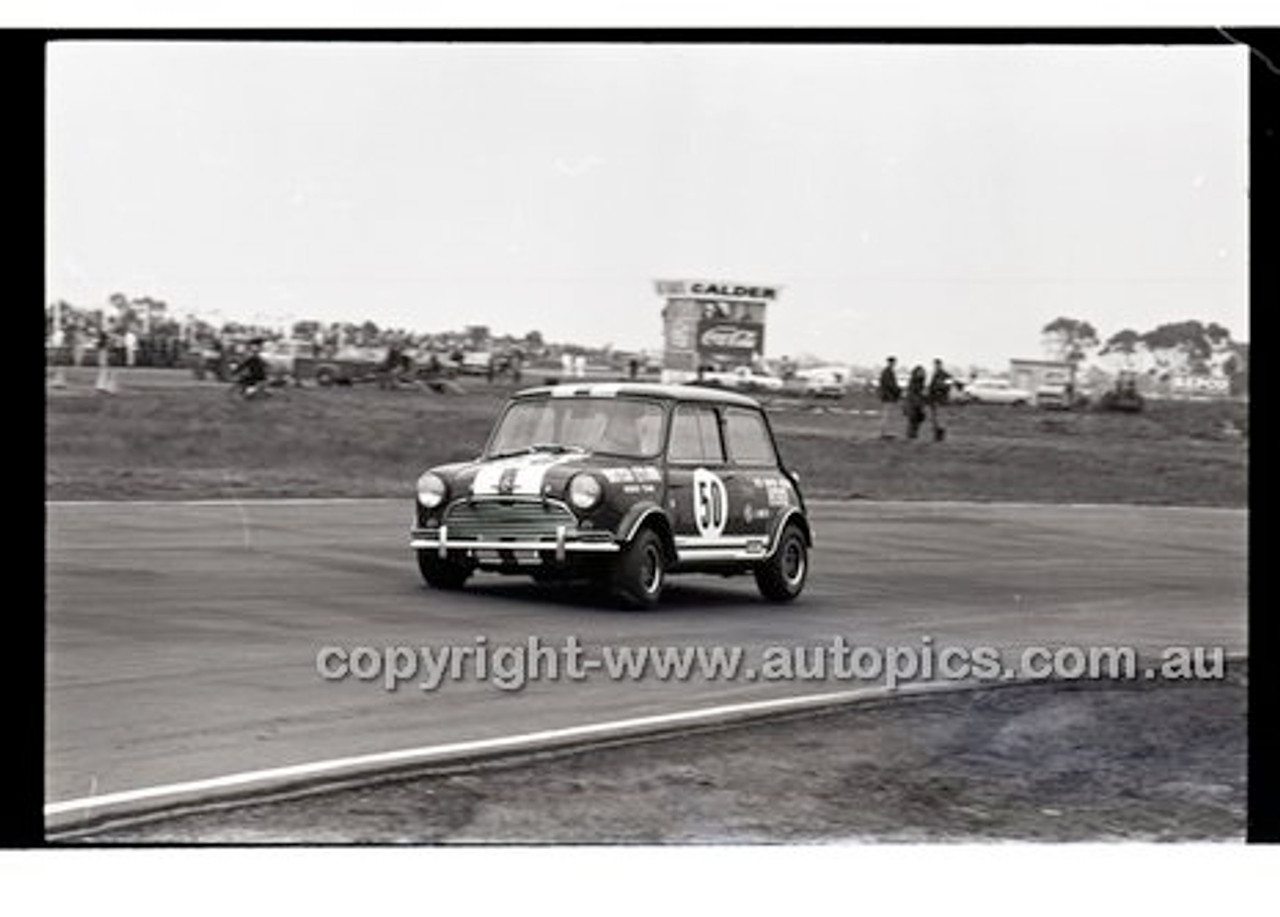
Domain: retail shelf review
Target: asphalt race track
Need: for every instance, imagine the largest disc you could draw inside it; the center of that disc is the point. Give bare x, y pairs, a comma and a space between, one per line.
182, 637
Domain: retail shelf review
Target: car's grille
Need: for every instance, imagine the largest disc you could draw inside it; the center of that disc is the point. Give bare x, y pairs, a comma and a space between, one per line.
517, 520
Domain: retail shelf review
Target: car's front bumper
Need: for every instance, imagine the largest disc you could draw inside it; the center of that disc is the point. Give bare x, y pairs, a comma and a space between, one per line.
559, 547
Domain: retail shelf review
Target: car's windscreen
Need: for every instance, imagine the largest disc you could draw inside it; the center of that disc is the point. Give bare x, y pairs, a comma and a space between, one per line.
619, 426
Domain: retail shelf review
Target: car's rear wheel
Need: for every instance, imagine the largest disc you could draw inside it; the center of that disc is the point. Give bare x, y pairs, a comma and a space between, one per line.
639, 572
781, 578
441, 573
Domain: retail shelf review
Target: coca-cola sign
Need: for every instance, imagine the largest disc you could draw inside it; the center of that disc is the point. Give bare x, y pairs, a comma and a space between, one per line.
730, 338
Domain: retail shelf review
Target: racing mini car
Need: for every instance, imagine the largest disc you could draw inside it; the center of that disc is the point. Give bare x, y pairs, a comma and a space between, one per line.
619, 485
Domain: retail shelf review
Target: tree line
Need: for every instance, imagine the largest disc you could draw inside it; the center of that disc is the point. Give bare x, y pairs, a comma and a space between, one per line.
1186, 346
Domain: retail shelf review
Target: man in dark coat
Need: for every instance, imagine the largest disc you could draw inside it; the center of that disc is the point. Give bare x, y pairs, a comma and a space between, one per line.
251, 375
939, 391
890, 394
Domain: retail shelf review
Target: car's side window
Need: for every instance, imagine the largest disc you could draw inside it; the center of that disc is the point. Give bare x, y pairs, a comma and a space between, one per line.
749, 441
695, 436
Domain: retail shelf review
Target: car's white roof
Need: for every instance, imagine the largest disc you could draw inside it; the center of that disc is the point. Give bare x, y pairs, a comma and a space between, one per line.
649, 389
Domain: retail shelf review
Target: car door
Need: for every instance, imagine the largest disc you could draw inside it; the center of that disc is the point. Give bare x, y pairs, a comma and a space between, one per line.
758, 490
697, 488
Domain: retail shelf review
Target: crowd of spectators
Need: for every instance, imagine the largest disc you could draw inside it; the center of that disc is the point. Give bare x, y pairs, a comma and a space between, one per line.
144, 333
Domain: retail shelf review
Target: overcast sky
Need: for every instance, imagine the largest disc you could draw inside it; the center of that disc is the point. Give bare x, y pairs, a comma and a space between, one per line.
919, 200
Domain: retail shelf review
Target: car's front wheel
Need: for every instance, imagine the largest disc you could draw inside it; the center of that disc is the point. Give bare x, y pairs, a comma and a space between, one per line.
781, 578
441, 573
639, 572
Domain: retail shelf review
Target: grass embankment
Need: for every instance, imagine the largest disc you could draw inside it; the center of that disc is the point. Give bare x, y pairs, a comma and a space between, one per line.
164, 437
196, 442
1188, 453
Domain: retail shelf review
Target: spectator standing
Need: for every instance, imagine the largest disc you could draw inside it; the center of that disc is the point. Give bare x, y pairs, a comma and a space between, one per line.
106, 382
914, 404
53, 355
79, 341
251, 374
939, 391
392, 366
130, 348
890, 394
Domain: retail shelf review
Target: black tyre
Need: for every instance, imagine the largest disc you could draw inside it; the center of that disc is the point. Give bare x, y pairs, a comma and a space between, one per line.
781, 578
640, 571
441, 573
326, 376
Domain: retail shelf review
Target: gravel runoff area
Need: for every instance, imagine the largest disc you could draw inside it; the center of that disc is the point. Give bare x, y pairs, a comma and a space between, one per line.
1078, 761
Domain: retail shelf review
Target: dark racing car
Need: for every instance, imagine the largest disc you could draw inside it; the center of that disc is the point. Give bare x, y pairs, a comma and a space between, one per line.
620, 484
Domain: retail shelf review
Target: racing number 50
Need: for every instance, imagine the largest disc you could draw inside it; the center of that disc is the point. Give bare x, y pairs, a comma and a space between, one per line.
709, 508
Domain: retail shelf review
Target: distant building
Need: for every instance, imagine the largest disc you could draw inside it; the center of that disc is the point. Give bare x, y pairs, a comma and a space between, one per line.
1031, 375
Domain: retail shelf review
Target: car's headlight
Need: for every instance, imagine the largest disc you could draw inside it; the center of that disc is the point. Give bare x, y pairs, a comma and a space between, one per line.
431, 490
584, 491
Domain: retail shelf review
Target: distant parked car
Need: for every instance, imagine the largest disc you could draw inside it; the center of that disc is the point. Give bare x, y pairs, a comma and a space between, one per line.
280, 356
346, 367
218, 359
476, 363
1054, 398
993, 391
743, 379
823, 382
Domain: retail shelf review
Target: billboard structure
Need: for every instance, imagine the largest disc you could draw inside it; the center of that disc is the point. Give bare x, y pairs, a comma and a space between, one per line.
711, 324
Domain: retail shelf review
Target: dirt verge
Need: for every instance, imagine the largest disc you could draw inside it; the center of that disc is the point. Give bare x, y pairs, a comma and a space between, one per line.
1066, 762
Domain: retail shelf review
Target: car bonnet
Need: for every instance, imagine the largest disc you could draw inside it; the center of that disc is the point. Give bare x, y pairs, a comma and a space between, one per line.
526, 474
